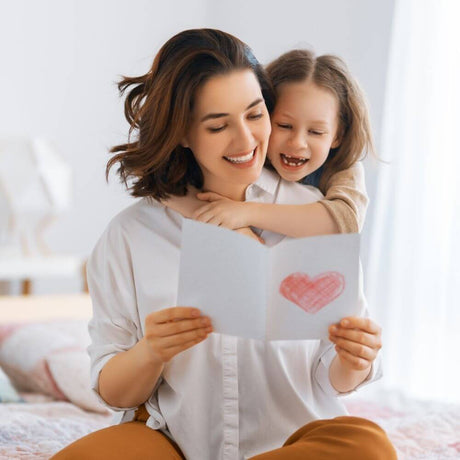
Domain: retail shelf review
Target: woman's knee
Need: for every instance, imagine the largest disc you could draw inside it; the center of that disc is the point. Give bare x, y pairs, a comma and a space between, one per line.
345, 437
370, 438
128, 441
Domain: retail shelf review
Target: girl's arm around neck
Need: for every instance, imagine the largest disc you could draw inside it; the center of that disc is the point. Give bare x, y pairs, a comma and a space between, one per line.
342, 210
128, 379
296, 221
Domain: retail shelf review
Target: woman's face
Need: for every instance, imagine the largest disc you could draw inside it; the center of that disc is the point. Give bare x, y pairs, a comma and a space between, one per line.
229, 132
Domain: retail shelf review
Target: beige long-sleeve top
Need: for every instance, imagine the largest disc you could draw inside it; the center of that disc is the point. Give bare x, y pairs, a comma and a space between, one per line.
346, 198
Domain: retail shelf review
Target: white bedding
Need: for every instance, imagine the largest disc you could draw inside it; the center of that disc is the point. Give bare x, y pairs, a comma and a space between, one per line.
419, 430
40, 427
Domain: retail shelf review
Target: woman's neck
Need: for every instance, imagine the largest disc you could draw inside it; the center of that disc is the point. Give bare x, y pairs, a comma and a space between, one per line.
236, 192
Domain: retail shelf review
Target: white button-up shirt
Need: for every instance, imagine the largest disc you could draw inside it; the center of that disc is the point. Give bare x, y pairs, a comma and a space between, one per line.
226, 398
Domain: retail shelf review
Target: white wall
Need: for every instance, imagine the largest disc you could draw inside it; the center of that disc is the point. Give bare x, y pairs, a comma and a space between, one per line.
60, 59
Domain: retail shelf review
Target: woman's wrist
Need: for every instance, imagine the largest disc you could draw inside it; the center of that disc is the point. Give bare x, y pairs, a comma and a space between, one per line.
345, 379
147, 356
129, 378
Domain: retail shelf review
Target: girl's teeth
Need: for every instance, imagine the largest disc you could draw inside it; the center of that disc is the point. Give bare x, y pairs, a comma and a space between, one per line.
292, 161
242, 159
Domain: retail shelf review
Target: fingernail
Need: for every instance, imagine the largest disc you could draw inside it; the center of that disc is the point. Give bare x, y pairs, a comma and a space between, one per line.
334, 328
345, 322
196, 313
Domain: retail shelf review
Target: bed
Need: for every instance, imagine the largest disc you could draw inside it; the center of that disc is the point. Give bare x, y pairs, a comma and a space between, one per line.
42, 351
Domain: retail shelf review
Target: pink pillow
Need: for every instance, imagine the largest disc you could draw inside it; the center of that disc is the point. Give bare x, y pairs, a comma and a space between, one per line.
49, 358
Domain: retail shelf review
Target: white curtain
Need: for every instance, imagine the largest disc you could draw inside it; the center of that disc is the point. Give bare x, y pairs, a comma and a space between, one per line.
414, 257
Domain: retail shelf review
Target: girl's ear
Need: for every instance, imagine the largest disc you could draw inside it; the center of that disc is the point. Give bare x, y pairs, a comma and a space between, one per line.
336, 143
338, 138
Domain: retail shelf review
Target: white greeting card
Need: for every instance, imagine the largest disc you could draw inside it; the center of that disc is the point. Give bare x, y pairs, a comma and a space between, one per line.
290, 291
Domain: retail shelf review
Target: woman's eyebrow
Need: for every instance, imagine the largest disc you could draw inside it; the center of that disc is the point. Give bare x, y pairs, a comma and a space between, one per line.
212, 116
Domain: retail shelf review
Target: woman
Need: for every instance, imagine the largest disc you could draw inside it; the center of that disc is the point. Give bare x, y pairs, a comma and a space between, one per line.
202, 121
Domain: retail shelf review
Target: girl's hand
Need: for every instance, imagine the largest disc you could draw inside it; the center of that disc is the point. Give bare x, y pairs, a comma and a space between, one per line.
173, 330
222, 211
357, 341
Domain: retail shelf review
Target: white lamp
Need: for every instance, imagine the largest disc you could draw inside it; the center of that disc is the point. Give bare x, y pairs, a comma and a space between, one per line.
35, 187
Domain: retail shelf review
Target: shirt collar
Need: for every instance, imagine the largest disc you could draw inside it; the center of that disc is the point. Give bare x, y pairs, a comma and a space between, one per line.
268, 181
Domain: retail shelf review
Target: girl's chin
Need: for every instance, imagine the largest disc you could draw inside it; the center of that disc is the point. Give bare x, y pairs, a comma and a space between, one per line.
291, 177
291, 174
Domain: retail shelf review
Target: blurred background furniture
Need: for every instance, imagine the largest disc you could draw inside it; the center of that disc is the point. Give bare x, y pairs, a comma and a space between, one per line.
35, 189
27, 269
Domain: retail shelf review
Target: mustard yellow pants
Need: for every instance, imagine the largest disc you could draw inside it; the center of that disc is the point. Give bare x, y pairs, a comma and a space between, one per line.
341, 438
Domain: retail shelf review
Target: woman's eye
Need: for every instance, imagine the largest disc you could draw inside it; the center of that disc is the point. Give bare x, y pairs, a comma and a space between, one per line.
284, 126
316, 133
255, 116
216, 129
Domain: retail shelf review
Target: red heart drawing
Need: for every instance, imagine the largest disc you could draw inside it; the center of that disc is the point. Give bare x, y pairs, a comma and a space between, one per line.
312, 294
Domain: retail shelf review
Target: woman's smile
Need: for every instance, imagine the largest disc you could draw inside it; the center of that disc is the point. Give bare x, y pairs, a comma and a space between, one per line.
243, 160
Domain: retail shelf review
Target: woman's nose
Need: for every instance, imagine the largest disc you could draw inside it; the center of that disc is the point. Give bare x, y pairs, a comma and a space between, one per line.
244, 137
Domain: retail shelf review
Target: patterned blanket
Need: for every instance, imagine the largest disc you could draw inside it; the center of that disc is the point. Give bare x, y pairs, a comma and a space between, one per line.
40, 427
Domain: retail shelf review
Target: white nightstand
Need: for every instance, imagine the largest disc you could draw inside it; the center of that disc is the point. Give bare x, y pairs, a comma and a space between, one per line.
27, 269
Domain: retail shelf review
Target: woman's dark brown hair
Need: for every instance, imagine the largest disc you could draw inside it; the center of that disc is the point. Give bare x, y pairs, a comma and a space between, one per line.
159, 105
331, 73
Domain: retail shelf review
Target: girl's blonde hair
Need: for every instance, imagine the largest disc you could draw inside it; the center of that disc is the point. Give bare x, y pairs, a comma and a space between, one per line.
331, 73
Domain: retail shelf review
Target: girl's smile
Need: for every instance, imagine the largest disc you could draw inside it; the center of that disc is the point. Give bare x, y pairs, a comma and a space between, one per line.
291, 162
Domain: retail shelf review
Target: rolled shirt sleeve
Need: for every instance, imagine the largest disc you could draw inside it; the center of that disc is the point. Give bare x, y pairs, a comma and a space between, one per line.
110, 280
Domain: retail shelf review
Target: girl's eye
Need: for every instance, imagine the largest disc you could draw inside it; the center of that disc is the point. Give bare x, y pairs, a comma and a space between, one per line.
217, 129
316, 133
284, 126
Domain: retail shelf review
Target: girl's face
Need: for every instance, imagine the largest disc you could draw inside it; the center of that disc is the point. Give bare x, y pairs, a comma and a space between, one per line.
229, 132
304, 129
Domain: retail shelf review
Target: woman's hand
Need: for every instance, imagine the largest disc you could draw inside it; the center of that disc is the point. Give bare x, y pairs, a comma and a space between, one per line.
173, 330
222, 211
357, 341
248, 232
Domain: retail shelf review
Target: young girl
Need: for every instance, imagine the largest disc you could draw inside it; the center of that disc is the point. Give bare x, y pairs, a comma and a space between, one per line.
181, 390
320, 128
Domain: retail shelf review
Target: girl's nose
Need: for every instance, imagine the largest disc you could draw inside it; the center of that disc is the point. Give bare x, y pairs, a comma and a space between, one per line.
298, 141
